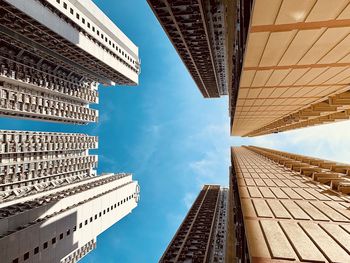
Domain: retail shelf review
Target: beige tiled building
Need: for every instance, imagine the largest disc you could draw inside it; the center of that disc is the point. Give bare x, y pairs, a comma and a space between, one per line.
288, 207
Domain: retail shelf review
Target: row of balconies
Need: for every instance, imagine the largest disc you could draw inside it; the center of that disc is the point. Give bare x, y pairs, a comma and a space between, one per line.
44, 137
12, 147
37, 156
49, 107
23, 178
44, 182
48, 81
46, 166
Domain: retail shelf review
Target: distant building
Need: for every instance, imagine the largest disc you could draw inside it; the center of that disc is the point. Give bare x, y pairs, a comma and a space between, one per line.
202, 235
53, 55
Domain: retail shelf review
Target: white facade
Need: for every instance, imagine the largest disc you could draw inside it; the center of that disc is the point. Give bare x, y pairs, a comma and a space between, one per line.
111, 46
51, 70
34, 162
67, 222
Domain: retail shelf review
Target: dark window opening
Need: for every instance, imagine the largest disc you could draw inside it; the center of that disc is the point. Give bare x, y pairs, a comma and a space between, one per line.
36, 250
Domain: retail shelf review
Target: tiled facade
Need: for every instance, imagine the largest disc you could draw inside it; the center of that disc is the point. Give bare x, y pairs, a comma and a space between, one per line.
281, 213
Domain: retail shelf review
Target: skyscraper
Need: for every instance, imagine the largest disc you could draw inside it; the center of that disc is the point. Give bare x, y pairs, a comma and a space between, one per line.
62, 225
295, 65
288, 207
53, 55
53, 206
202, 235
197, 31
34, 162
283, 68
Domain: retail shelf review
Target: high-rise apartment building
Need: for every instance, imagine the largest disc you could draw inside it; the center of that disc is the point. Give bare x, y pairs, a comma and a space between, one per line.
197, 31
288, 207
295, 65
202, 235
284, 63
34, 162
52, 204
53, 55
62, 225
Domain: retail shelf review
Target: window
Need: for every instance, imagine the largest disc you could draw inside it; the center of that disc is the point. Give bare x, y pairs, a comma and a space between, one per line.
106, 39
115, 205
15, 260
93, 29
88, 24
53, 241
102, 36
61, 236
80, 225
98, 32
68, 232
36, 250
58, 1
107, 209
113, 45
26, 256
46, 244
90, 219
104, 211
74, 228
64, 5
71, 11
83, 20
77, 15
86, 222
95, 216
110, 42
100, 214
118, 203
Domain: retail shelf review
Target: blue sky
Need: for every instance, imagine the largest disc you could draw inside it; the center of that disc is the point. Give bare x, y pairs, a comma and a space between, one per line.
170, 138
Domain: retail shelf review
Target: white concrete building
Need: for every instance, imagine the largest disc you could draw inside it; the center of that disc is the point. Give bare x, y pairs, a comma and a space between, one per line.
62, 225
53, 55
33, 162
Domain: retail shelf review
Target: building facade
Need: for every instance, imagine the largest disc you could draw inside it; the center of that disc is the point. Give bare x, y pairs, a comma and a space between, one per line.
197, 31
295, 65
53, 55
202, 235
62, 225
283, 69
34, 162
288, 207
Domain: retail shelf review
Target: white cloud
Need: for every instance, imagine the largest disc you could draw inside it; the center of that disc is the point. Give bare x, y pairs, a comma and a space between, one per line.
331, 141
